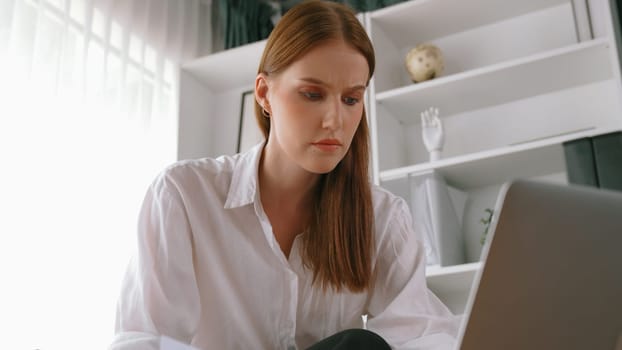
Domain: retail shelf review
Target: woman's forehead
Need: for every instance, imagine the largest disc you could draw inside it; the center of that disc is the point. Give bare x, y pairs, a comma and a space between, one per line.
331, 61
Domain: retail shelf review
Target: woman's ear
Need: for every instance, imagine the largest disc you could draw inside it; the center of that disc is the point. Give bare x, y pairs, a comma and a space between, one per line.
261, 92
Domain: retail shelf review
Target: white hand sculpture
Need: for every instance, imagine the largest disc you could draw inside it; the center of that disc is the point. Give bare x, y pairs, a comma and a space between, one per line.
432, 130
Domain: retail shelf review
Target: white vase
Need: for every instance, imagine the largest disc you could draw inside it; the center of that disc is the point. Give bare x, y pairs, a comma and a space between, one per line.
424, 62
437, 215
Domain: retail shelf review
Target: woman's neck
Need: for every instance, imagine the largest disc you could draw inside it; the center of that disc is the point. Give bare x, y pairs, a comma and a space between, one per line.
283, 182
286, 196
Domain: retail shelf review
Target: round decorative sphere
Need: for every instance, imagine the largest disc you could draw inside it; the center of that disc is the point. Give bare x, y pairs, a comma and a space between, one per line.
424, 62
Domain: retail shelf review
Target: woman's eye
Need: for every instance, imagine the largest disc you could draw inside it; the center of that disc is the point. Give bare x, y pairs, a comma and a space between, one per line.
313, 96
350, 101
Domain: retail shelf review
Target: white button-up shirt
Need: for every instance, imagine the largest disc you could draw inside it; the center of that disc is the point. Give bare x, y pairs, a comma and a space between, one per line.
209, 271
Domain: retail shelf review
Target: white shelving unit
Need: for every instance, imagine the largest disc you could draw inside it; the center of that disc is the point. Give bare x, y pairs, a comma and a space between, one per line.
527, 160
424, 19
533, 75
521, 78
211, 89
452, 284
228, 70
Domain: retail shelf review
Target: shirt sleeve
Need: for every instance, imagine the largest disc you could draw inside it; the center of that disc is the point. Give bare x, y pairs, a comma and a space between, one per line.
159, 295
401, 307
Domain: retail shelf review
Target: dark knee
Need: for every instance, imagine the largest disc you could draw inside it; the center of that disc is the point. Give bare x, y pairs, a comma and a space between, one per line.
356, 338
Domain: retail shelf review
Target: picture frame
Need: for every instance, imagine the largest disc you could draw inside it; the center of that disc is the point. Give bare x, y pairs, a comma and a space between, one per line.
249, 133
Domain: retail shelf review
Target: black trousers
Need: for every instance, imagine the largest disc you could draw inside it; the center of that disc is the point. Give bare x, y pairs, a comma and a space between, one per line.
359, 339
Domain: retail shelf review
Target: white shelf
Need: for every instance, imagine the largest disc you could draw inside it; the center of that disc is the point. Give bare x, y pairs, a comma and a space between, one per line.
498, 165
228, 69
433, 272
452, 279
423, 20
558, 69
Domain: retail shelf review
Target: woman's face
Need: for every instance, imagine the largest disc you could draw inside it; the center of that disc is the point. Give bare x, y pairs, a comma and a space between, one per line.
315, 106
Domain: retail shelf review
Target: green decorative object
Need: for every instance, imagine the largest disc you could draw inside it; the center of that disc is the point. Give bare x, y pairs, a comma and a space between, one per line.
486, 221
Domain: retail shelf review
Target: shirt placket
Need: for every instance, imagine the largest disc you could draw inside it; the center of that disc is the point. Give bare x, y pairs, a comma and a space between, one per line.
288, 329
287, 323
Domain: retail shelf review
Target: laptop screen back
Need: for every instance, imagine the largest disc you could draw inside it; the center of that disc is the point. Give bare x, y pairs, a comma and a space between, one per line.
552, 277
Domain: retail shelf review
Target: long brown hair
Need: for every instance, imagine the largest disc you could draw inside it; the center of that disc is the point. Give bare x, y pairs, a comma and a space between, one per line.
339, 243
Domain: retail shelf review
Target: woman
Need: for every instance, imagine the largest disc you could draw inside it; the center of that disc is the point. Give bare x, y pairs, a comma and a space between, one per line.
287, 244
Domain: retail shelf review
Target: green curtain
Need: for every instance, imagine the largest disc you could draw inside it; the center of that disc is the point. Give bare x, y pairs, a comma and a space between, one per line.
247, 21
369, 5
358, 5
244, 21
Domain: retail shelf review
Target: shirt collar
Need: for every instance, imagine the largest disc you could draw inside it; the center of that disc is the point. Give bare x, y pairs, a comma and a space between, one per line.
244, 181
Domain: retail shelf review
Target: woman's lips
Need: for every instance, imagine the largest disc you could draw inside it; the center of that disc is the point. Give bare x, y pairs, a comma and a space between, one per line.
327, 145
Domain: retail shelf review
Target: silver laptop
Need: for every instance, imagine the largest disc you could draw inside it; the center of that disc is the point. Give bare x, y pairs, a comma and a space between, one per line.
552, 277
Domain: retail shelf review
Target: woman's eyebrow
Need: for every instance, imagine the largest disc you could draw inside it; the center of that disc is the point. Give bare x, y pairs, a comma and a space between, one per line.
320, 82
357, 87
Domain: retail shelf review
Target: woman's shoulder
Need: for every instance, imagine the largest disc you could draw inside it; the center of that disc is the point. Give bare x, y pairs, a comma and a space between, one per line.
392, 219
203, 166
201, 173
386, 203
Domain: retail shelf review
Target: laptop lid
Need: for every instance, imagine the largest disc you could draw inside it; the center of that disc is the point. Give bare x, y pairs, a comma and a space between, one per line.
552, 277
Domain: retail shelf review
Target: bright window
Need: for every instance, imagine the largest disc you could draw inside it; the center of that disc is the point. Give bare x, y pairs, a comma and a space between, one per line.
86, 122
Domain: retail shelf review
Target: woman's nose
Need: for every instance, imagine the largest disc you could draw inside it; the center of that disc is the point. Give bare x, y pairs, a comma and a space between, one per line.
333, 118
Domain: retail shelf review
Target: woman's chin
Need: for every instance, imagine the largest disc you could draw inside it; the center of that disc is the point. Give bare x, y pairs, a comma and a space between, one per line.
321, 167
